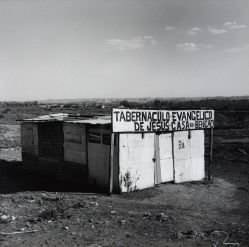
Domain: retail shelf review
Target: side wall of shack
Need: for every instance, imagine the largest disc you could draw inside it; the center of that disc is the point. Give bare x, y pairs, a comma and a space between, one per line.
42, 146
75, 144
71, 151
51, 141
29, 140
99, 157
49, 145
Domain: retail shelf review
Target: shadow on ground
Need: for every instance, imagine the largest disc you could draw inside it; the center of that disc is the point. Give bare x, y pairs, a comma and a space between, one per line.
15, 178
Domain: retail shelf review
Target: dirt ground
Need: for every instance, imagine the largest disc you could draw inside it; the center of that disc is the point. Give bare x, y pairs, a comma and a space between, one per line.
38, 211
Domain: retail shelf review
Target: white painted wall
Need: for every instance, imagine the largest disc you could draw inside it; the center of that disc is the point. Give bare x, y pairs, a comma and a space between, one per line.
166, 160
136, 155
136, 161
189, 162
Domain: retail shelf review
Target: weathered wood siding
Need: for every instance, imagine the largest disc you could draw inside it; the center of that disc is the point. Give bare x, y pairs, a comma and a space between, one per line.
75, 143
50, 141
29, 138
99, 147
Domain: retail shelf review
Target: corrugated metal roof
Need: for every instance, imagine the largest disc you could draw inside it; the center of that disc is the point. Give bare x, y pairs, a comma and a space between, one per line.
98, 120
48, 118
70, 118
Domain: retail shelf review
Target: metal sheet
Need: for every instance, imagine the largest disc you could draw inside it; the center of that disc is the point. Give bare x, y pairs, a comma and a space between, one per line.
49, 117
29, 138
74, 143
166, 159
103, 120
74, 133
136, 161
99, 160
189, 156
35, 139
72, 155
51, 140
157, 174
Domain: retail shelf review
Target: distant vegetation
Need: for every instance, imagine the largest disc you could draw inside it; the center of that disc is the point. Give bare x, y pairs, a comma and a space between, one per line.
231, 116
231, 112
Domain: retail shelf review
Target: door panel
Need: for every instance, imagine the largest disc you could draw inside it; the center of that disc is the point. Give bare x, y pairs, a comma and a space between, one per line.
136, 161
51, 140
27, 138
189, 156
98, 158
166, 160
98, 164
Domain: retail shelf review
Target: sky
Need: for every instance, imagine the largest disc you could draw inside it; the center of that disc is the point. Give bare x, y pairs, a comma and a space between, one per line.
57, 49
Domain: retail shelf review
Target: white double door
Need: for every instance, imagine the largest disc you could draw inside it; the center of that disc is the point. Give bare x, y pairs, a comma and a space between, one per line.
181, 156
189, 161
149, 159
144, 160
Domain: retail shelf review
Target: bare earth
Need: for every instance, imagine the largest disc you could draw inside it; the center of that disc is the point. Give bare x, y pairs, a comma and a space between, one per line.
38, 211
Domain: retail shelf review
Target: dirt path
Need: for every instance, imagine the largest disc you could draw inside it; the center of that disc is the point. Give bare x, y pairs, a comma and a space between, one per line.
190, 214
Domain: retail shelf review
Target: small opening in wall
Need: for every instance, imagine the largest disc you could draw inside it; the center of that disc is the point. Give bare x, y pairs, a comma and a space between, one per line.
189, 134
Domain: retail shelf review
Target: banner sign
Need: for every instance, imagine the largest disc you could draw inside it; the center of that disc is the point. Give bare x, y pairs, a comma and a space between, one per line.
134, 120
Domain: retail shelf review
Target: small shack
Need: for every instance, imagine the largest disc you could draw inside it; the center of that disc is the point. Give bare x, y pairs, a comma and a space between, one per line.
129, 150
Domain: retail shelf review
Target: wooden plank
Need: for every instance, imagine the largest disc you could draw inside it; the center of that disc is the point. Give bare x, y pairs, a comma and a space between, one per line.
116, 185
166, 160
111, 163
99, 165
173, 155
74, 146
74, 156
210, 163
35, 139
27, 138
158, 177
74, 133
75, 143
